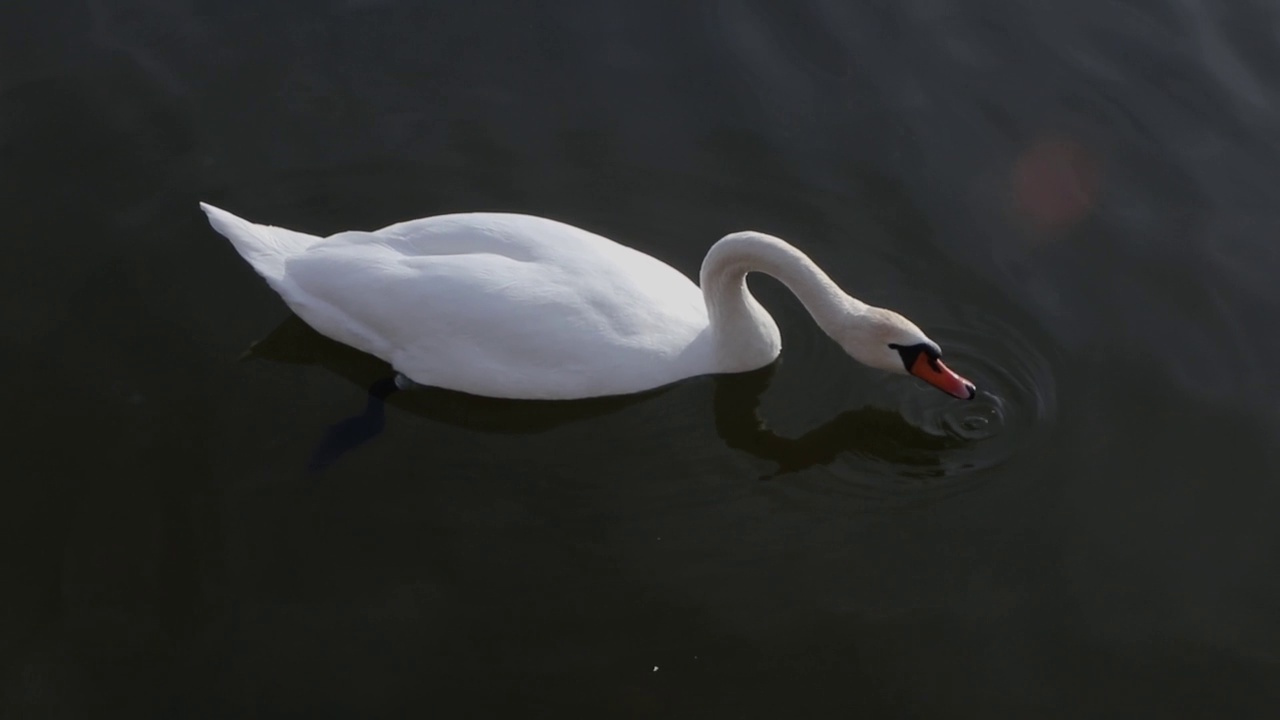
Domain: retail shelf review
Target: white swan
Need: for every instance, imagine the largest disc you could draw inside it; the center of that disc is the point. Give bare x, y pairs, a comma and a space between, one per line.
516, 306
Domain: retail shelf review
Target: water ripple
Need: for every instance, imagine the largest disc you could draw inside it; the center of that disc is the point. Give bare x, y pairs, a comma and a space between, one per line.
907, 442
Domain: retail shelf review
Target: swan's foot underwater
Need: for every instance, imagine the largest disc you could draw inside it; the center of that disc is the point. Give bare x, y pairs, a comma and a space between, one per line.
349, 434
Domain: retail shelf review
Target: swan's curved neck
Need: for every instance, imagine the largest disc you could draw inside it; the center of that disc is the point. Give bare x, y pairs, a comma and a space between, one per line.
746, 336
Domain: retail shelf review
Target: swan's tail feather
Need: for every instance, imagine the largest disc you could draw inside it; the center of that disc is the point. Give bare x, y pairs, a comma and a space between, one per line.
266, 247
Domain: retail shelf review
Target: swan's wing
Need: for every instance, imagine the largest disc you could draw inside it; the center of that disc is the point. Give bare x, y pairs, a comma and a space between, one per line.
493, 324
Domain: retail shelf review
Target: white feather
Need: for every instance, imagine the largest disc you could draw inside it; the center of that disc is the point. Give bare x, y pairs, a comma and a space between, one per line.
518, 306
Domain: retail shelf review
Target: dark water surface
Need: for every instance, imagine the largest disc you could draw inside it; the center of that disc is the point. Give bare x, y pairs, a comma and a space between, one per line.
1079, 203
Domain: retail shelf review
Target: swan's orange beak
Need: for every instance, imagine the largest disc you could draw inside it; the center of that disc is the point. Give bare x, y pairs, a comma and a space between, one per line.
940, 376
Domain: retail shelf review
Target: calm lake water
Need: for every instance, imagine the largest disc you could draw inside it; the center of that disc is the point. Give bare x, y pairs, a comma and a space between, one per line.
1079, 204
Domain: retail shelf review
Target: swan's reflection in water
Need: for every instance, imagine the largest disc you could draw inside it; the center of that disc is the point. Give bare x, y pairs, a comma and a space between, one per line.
293, 341
869, 432
880, 439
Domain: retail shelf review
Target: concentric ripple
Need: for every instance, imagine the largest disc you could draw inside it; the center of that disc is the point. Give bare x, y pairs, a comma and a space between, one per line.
911, 443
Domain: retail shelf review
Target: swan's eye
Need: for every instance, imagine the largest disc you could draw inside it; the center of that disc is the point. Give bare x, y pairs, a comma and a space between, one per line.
911, 353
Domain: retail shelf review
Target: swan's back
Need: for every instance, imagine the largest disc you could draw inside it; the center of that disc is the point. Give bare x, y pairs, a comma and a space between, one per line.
520, 237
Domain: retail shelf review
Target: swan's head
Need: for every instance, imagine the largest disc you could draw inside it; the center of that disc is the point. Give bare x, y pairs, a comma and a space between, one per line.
885, 340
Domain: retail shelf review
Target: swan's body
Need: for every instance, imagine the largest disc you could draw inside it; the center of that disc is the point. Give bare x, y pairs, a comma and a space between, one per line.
516, 306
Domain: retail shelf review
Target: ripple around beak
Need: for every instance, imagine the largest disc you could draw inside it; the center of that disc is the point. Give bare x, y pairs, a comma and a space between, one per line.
1017, 395
941, 446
